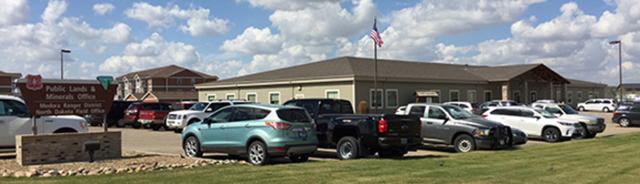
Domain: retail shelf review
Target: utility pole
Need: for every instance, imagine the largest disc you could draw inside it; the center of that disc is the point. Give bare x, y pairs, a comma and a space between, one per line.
619, 68
62, 51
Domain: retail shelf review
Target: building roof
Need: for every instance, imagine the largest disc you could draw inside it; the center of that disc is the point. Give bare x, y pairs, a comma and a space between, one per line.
631, 85
363, 68
581, 83
163, 72
15, 75
171, 95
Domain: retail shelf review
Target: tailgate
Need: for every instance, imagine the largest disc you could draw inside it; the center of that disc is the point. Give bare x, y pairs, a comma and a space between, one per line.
152, 115
402, 126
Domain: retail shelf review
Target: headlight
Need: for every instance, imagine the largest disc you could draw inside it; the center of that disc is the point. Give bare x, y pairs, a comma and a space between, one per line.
566, 124
481, 132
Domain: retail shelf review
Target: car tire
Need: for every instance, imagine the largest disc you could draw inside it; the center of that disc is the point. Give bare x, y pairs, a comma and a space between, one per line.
551, 134
347, 148
391, 153
605, 109
624, 122
299, 158
177, 130
464, 143
581, 108
155, 127
65, 130
257, 153
136, 125
191, 147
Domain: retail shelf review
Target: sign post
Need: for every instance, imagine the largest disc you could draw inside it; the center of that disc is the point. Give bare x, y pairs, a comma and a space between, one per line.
105, 82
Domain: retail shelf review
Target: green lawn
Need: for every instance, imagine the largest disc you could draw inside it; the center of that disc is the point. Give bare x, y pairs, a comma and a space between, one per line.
605, 160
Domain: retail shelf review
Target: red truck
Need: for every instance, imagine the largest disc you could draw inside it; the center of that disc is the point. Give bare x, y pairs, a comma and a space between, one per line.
152, 115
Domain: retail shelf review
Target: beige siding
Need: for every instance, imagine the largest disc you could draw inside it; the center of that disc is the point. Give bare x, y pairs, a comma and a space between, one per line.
287, 92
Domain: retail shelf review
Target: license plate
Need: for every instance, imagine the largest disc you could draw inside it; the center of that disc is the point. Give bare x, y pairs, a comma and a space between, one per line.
297, 129
403, 141
501, 142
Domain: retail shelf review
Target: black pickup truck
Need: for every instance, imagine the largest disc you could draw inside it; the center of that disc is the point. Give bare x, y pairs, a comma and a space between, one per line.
356, 136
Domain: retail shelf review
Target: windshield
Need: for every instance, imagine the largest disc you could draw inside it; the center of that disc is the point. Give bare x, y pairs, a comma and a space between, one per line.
198, 106
457, 112
545, 114
567, 109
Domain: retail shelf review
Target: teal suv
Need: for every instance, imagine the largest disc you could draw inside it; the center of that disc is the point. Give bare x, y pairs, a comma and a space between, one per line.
259, 132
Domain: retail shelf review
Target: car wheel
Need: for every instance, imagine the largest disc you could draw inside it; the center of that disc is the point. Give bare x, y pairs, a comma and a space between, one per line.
586, 134
177, 130
624, 122
299, 158
605, 109
551, 134
192, 147
258, 153
65, 130
156, 127
581, 108
464, 143
347, 148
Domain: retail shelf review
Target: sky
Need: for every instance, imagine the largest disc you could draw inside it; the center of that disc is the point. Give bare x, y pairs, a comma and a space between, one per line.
231, 38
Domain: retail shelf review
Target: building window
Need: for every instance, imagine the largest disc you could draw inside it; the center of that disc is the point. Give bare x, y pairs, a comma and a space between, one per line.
558, 95
569, 97
230, 96
533, 96
274, 98
179, 81
252, 97
596, 94
487, 96
375, 97
579, 96
454, 95
472, 96
334, 93
392, 98
516, 96
193, 81
211, 98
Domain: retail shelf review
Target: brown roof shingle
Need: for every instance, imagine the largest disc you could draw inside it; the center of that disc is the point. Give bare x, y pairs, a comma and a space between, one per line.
162, 72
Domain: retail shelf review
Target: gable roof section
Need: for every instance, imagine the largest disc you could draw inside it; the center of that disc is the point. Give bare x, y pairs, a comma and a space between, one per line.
15, 75
581, 83
162, 72
363, 68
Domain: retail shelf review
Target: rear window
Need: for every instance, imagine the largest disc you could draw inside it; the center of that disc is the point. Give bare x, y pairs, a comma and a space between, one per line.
156, 106
294, 115
335, 107
508, 112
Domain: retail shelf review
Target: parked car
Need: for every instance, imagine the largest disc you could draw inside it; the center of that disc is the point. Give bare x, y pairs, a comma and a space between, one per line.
468, 106
15, 119
598, 104
115, 116
152, 115
545, 101
452, 125
496, 103
360, 135
627, 115
401, 110
535, 122
261, 132
176, 120
591, 124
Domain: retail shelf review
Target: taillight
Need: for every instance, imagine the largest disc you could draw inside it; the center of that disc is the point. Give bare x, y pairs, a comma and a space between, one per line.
278, 125
382, 126
484, 116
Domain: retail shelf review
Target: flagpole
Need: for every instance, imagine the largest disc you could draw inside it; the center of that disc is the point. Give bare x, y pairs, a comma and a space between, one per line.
375, 78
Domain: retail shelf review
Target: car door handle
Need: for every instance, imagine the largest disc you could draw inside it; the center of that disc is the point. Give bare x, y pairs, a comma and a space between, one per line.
246, 125
429, 122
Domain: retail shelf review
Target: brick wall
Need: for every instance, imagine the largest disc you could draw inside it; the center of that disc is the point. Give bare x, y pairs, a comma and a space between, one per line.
57, 148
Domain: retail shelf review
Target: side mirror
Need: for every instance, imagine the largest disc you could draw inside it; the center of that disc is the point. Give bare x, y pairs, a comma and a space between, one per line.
537, 117
207, 121
208, 110
558, 114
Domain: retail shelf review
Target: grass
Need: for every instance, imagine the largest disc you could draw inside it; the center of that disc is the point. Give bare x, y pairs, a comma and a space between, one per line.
604, 160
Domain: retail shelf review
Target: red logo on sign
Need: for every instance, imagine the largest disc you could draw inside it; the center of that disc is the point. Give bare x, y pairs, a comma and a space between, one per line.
34, 82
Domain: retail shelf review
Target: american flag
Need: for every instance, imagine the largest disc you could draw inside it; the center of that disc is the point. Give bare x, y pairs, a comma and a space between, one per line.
375, 35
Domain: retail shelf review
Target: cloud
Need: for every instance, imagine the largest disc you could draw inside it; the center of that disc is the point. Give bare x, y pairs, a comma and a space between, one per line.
12, 12
54, 10
254, 41
151, 52
103, 8
198, 22
286, 4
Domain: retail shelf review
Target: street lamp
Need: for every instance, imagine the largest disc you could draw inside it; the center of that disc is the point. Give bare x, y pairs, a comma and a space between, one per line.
62, 51
619, 66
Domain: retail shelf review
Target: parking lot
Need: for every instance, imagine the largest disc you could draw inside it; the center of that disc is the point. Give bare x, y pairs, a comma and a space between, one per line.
168, 142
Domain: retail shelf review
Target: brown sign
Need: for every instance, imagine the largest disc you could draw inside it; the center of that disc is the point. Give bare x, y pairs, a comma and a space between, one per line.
66, 97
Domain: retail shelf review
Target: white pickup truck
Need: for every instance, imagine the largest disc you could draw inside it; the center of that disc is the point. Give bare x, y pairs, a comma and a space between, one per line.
176, 120
16, 120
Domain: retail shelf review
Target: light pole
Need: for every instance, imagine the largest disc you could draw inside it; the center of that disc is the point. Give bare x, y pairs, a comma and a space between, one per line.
619, 66
62, 51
